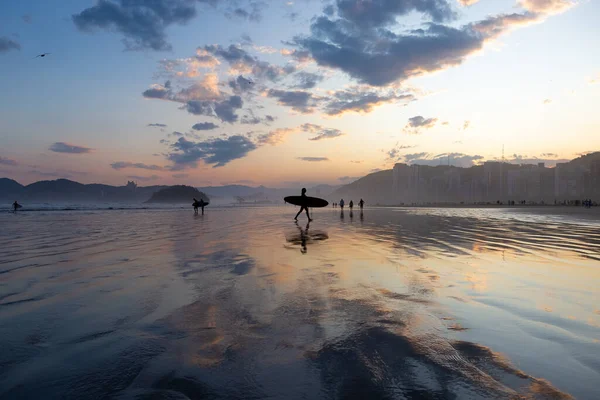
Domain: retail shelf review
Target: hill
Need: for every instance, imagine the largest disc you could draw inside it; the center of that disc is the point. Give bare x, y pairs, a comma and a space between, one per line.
374, 188
177, 194
9, 189
64, 190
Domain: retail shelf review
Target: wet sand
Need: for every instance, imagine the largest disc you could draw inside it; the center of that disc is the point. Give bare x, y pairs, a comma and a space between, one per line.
243, 303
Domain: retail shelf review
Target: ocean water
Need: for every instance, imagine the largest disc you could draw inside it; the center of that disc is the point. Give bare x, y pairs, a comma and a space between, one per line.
243, 303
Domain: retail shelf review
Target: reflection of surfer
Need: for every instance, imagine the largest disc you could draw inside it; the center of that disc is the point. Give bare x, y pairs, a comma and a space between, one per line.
303, 206
303, 237
16, 206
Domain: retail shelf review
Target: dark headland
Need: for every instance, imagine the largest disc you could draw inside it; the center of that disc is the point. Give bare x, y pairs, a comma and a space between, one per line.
177, 194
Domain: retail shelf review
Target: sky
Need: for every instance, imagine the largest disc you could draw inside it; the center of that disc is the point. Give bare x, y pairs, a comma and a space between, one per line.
276, 93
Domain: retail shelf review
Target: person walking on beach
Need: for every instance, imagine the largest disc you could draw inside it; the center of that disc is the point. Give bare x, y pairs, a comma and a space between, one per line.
351, 205
304, 206
361, 203
342, 204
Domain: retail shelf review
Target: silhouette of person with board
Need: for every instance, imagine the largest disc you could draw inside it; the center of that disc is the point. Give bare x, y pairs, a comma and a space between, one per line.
361, 203
342, 204
303, 207
200, 204
16, 206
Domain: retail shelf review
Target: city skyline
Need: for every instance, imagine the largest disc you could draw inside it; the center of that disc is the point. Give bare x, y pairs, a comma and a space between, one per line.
285, 94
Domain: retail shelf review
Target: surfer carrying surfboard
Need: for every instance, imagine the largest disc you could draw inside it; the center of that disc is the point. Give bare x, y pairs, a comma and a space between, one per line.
200, 204
303, 205
16, 206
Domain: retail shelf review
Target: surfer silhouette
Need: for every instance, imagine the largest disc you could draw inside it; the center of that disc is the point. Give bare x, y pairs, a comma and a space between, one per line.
351, 205
16, 206
361, 203
342, 204
303, 206
200, 204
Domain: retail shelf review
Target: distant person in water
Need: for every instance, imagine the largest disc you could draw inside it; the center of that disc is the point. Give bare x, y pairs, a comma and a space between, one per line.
304, 206
196, 203
351, 205
16, 206
361, 203
342, 204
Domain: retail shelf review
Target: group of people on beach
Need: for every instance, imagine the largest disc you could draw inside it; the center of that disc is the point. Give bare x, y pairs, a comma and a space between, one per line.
341, 204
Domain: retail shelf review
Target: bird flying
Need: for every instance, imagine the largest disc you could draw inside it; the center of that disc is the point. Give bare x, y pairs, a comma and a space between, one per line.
42, 55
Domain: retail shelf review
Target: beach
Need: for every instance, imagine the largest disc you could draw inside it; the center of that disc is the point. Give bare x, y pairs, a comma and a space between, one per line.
244, 303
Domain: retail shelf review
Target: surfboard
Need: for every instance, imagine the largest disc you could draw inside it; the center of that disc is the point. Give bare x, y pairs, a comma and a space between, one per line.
199, 204
19, 206
312, 202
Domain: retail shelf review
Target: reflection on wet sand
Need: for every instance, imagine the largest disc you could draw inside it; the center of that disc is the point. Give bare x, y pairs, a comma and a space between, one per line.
303, 237
408, 304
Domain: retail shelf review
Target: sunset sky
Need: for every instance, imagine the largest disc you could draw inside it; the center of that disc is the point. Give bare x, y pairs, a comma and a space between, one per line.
211, 92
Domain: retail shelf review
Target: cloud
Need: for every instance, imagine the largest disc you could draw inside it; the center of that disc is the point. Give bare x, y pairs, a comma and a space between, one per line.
189, 67
157, 91
313, 159
223, 110
157, 125
321, 133
126, 164
7, 45
180, 176
454, 159
361, 101
416, 124
204, 126
254, 13
307, 80
217, 152
375, 170
356, 161
26, 18
552, 155
348, 178
414, 156
380, 13
62, 147
274, 137
524, 159
360, 44
466, 125
201, 98
241, 84
57, 174
466, 3
143, 178
8, 161
242, 62
546, 6
547, 101
142, 23
394, 153
300, 101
